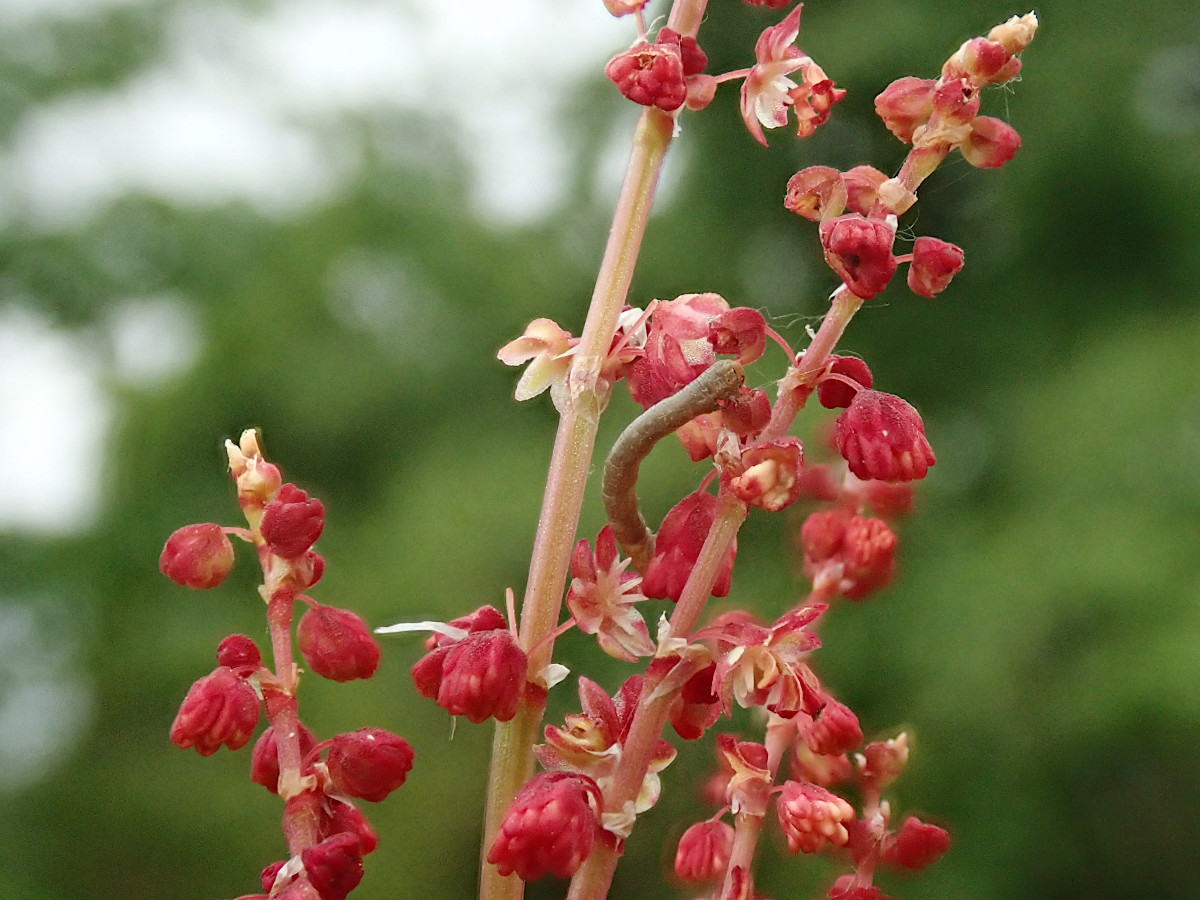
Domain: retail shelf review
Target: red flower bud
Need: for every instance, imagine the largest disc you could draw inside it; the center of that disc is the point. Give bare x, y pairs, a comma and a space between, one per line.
334, 866
835, 730
836, 394
697, 707
480, 677
991, 143
862, 188
935, 262
747, 413
197, 556
917, 845
859, 250
337, 644
677, 547
343, 816
770, 478
816, 193
704, 851
369, 763
237, 650
264, 760
812, 816
742, 330
549, 828
650, 74
906, 104
292, 522
856, 551
881, 436
220, 708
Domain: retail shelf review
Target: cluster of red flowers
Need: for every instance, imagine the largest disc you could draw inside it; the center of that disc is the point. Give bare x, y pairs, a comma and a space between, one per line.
602, 765
327, 835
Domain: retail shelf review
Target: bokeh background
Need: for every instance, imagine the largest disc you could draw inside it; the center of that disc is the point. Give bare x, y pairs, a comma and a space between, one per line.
323, 217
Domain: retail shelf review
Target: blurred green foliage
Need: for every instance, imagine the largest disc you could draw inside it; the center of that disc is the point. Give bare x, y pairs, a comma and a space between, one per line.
1041, 643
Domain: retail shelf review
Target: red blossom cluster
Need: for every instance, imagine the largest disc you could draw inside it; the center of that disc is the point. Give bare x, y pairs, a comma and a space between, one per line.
327, 835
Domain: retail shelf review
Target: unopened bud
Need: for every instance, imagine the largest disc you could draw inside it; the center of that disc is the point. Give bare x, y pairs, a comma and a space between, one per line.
220, 708
197, 556
704, 851
337, 644
881, 436
292, 522
812, 816
334, 866
549, 828
369, 763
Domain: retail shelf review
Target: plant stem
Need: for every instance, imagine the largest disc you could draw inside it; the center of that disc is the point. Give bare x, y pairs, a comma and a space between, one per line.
594, 877
512, 759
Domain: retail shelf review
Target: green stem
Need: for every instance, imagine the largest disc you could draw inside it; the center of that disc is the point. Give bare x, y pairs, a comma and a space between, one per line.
512, 758
594, 877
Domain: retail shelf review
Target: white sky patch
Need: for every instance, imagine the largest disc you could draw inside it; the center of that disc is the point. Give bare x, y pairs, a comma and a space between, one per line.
152, 339
242, 104
53, 418
46, 702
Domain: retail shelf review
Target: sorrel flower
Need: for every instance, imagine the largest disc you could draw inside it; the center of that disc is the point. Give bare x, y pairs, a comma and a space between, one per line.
704, 851
916, 845
851, 554
547, 349
650, 74
480, 676
812, 816
550, 827
677, 547
934, 263
768, 92
881, 436
337, 644
264, 761
602, 597
197, 556
859, 250
334, 866
220, 708
833, 731
844, 377
369, 763
292, 522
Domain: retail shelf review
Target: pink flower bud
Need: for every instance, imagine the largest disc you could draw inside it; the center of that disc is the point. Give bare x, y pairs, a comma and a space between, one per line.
935, 262
677, 547
836, 394
264, 760
859, 250
741, 331
917, 845
816, 193
882, 762
337, 644
905, 105
834, 731
770, 478
220, 708
881, 436
549, 828
650, 74
812, 816
704, 851
197, 556
955, 103
292, 522
862, 188
237, 651
991, 143
334, 866
369, 763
